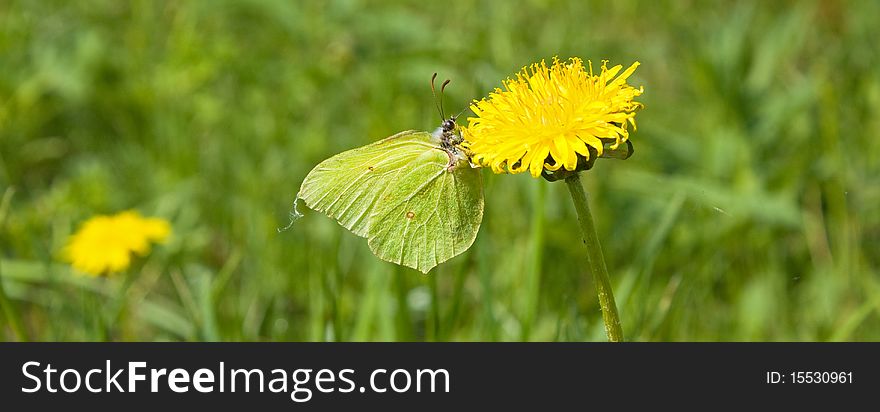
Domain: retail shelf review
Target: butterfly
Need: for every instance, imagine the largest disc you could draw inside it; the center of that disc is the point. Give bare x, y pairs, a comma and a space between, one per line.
415, 195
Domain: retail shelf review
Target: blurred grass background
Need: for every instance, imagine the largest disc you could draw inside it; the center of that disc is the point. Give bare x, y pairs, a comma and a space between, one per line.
748, 212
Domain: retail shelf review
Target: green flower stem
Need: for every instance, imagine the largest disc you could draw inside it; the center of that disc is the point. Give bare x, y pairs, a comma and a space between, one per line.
595, 259
7, 306
11, 313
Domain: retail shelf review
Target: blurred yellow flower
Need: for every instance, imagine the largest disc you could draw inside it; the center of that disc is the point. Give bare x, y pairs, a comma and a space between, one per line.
104, 244
547, 116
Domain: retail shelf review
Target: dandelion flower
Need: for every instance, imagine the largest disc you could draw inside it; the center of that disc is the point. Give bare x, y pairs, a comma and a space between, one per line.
548, 118
104, 244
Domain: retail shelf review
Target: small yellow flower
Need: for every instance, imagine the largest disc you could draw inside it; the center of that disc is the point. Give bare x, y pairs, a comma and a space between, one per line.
547, 116
104, 244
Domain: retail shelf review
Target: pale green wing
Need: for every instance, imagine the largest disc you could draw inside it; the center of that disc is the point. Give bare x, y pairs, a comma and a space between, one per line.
430, 214
347, 186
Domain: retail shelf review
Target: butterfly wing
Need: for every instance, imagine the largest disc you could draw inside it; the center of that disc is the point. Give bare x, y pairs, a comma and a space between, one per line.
430, 214
348, 185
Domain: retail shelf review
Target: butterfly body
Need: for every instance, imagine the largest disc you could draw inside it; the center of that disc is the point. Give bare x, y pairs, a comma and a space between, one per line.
414, 196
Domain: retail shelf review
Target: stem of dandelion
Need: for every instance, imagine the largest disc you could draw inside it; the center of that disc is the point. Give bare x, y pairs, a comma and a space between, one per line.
595, 259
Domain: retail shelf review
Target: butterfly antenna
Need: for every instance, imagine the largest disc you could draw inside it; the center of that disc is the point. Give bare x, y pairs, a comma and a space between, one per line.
437, 103
443, 88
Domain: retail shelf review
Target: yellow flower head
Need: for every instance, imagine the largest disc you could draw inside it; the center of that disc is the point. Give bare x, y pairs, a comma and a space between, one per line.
104, 244
547, 116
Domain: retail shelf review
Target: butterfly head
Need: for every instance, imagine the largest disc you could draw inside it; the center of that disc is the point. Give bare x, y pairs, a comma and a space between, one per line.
448, 125
448, 134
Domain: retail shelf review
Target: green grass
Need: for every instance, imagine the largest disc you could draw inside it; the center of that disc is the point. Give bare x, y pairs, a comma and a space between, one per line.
749, 210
